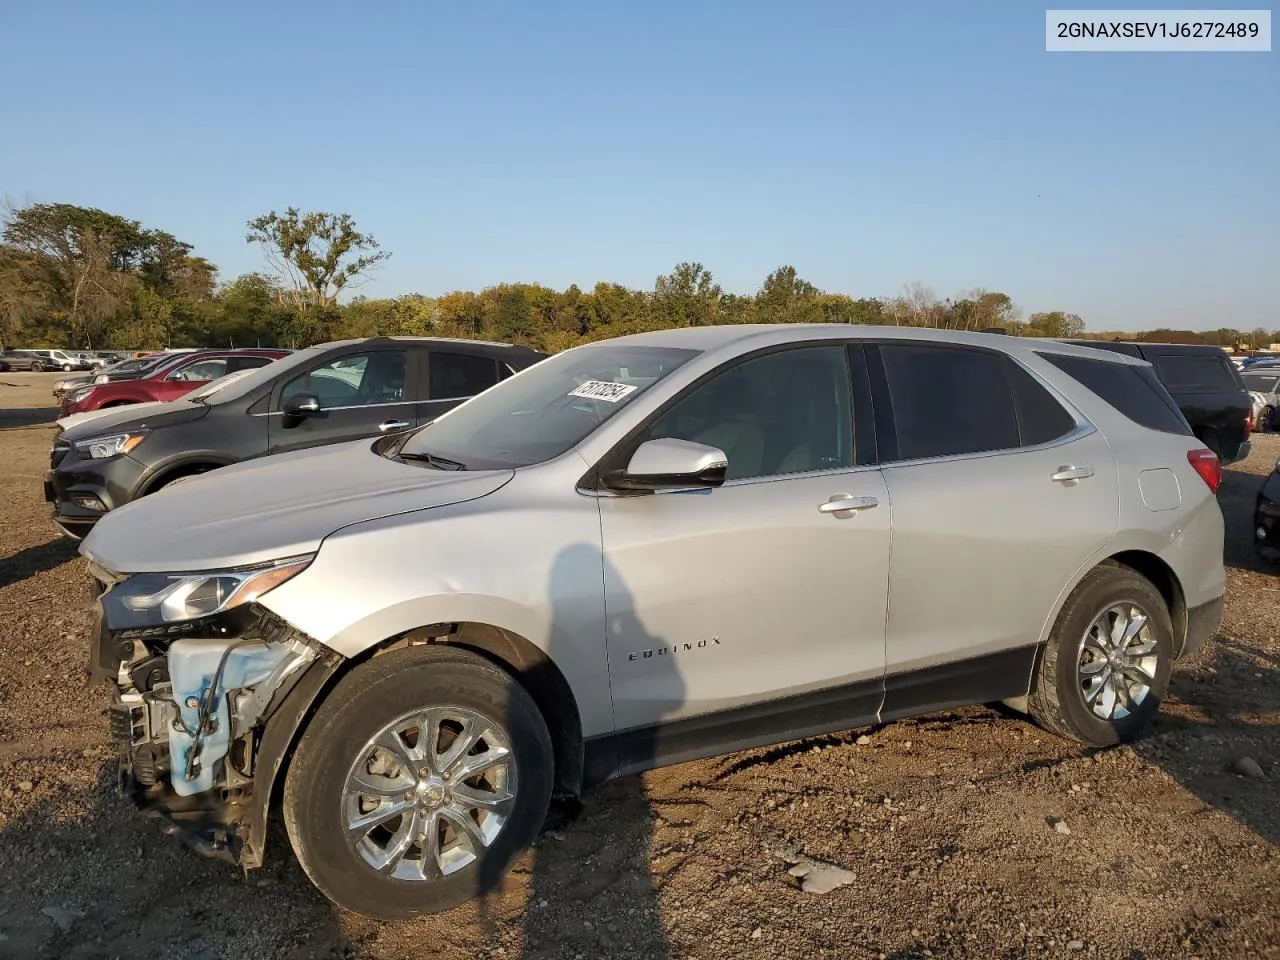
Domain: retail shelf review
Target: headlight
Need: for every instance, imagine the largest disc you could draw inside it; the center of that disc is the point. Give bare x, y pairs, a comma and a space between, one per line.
78, 395
102, 448
150, 599
101, 378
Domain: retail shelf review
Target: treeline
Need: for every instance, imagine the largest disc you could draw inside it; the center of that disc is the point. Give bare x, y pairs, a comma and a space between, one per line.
81, 278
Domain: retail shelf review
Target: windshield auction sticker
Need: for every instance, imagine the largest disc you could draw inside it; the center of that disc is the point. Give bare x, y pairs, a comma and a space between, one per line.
605, 390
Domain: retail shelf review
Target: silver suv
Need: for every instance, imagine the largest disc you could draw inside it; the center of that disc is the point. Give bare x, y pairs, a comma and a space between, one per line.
640, 552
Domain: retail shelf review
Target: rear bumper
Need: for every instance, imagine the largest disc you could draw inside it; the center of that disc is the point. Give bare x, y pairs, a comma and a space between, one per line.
1202, 623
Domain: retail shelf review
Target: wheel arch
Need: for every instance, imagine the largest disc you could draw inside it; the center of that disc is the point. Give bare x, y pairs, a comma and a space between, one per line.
1163, 577
507, 650
1142, 561
188, 466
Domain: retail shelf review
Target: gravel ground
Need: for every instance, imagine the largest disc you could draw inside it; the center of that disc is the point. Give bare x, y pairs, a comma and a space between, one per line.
969, 833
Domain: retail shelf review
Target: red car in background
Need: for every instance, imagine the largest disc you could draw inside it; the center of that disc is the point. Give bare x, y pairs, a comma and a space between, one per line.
168, 380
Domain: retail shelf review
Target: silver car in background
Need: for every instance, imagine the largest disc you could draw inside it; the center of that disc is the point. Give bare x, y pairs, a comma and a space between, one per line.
640, 552
1264, 384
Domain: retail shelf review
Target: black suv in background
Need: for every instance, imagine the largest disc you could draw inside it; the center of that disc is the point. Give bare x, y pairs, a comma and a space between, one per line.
329, 393
1206, 386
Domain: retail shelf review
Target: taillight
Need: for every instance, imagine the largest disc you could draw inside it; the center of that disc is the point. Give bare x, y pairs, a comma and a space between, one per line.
1207, 464
1248, 422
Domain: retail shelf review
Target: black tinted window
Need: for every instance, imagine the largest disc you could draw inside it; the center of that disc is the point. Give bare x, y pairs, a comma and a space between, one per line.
1134, 391
1192, 371
948, 400
781, 413
456, 375
1041, 418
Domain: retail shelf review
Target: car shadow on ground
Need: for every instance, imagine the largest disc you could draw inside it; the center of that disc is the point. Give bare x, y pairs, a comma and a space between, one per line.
1220, 714
28, 416
111, 884
33, 560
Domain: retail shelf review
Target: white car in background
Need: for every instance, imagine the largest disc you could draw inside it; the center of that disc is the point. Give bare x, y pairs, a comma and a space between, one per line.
1264, 387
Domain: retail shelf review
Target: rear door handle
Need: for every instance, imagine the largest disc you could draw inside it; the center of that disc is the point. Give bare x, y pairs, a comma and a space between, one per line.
1069, 474
847, 504
388, 426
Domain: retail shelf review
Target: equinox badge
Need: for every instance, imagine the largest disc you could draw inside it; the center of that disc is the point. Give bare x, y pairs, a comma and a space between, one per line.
673, 649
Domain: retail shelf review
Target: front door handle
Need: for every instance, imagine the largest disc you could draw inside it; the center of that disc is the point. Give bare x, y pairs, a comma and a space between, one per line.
1070, 474
389, 426
846, 504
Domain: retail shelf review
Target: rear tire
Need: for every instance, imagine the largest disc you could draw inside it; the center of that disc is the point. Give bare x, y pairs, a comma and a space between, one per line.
1264, 421
1105, 669
363, 746
1210, 439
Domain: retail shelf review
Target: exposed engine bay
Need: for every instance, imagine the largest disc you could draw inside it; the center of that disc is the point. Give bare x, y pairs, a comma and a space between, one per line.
191, 706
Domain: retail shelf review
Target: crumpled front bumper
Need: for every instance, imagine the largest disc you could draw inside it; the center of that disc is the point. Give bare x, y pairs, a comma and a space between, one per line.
227, 819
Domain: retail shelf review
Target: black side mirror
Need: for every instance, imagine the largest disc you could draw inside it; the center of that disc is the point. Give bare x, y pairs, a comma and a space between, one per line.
300, 406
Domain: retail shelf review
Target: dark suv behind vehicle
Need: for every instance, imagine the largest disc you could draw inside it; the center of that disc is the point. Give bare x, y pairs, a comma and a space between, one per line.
1206, 386
329, 393
25, 360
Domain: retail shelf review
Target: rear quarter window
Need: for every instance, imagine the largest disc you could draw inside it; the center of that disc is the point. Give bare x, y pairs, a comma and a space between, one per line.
1194, 372
1134, 391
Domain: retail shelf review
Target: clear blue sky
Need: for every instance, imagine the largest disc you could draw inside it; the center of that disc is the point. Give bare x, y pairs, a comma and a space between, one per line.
869, 144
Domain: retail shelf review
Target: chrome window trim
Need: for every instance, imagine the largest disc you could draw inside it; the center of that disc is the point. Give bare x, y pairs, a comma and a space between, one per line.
1080, 431
356, 406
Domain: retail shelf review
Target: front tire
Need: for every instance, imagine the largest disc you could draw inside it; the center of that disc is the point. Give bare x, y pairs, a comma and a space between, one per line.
423, 776
1106, 666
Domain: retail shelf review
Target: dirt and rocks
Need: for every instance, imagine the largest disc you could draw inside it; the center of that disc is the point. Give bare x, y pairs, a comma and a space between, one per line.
968, 834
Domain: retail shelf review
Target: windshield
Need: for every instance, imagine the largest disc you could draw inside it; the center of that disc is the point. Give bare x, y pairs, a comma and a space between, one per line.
213, 386
1260, 382
545, 410
136, 365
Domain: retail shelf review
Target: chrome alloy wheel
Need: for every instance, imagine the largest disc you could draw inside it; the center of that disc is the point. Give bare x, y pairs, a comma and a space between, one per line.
1118, 661
429, 792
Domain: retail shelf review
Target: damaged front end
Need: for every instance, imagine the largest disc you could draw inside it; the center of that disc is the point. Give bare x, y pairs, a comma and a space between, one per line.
208, 691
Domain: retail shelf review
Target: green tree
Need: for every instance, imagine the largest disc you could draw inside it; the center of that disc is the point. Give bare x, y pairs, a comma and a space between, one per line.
1055, 324
785, 298
318, 255
67, 266
687, 297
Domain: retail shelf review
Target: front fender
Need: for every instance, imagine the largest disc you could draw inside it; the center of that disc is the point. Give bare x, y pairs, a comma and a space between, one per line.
278, 737
529, 565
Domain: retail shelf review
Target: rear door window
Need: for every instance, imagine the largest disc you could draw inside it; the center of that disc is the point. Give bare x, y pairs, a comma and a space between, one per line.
1193, 372
948, 401
1041, 418
1132, 390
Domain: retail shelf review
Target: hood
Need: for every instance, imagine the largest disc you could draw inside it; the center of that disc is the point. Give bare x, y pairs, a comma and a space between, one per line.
272, 507
75, 419
132, 416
